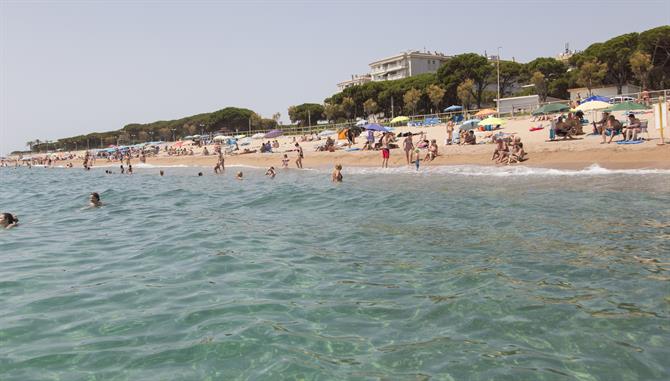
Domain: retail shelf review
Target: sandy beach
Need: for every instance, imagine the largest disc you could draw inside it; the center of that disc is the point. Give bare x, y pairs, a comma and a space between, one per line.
581, 152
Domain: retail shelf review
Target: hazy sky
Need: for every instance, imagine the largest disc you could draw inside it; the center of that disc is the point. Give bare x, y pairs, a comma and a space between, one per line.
72, 67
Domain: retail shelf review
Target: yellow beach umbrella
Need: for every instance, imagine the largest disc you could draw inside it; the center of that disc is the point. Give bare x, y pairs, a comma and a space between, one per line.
593, 105
399, 119
491, 121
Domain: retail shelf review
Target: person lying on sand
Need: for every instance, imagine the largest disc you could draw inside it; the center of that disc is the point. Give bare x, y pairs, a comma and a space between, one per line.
8, 220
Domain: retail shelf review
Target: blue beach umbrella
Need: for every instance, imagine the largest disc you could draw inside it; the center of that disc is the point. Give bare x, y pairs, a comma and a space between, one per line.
376, 127
595, 98
453, 108
470, 123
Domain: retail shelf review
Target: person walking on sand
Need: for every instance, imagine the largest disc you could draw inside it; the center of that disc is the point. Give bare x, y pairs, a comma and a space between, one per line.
408, 147
285, 161
298, 160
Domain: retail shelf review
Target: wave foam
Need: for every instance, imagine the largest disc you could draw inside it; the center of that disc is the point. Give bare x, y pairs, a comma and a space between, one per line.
492, 171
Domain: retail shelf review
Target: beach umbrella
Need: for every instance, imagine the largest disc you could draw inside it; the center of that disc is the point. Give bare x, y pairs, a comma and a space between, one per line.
273, 134
376, 127
592, 106
595, 98
453, 108
627, 106
551, 108
485, 112
399, 119
491, 121
469, 123
361, 123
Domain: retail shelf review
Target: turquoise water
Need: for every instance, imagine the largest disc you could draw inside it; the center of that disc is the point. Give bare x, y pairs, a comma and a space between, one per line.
455, 273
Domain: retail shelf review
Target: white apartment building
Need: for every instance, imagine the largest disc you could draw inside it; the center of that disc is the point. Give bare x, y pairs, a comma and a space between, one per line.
355, 80
406, 65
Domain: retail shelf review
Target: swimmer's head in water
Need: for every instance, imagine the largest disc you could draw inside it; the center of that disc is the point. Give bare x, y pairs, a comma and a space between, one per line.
95, 197
162, 173
8, 219
338, 167
199, 173
239, 175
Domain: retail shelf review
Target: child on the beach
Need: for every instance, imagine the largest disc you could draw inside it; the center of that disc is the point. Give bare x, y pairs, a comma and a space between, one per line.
285, 161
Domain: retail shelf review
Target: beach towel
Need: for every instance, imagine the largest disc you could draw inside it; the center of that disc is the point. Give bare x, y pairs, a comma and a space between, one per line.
630, 142
536, 128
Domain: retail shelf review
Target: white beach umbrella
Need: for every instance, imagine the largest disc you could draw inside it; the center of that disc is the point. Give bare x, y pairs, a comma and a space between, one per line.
593, 106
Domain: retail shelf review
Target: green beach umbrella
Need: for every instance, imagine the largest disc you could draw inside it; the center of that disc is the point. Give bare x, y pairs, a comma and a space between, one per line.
627, 106
551, 108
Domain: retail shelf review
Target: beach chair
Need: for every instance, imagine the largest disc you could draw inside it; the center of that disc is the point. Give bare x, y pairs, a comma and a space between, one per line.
644, 124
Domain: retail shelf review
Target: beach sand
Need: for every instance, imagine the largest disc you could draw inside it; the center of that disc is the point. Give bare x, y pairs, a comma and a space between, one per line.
583, 151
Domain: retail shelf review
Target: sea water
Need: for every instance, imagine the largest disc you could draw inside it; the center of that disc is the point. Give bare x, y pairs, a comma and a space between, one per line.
449, 273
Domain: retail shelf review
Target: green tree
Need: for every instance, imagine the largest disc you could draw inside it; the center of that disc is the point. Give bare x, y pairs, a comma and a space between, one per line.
510, 73
656, 43
348, 106
640, 64
332, 111
411, 99
539, 81
465, 66
306, 113
615, 53
370, 106
591, 73
465, 92
436, 95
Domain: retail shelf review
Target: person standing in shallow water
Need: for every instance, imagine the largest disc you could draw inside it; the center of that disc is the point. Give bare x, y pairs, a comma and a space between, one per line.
94, 200
337, 174
386, 150
298, 160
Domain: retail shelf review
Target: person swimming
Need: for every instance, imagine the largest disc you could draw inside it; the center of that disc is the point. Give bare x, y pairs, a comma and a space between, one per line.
337, 174
94, 200
161, 172
8, 220
199, 173
271, 172
239, 175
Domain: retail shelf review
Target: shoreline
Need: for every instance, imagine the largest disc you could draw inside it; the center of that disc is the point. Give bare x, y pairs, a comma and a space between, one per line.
653, 157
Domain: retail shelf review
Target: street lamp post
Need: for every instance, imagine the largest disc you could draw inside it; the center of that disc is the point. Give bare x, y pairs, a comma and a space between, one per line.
498, 70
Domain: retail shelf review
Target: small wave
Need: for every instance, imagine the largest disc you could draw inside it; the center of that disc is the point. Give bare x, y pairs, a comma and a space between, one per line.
480, 170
